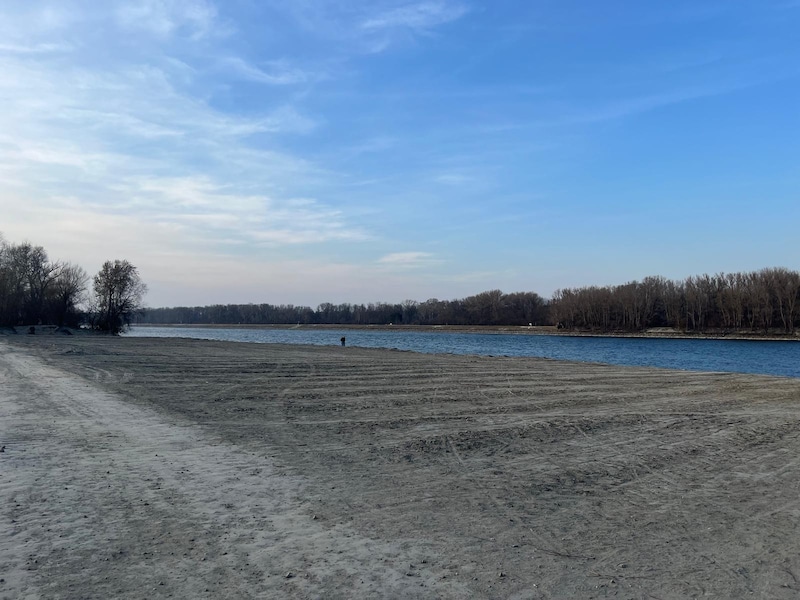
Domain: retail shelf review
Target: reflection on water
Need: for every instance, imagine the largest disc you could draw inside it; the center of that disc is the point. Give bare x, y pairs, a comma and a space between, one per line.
737, 356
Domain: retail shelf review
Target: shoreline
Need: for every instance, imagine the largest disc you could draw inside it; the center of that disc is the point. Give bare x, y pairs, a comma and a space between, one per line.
547, 330
535, 330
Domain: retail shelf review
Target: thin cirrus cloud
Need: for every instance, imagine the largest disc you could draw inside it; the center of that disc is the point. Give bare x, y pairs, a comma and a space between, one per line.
276, 73
418, 16
164, 17
408, 260
80, 102
368, 26
199, 203
34, 48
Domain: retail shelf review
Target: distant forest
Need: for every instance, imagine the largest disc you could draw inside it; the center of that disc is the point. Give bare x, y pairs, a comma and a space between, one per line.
758, 301
487, 308
765, 300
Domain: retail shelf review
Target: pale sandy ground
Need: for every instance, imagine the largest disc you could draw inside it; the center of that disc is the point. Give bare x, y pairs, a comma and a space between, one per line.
138, 468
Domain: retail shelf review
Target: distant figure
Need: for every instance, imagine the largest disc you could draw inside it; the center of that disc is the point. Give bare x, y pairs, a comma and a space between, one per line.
31, 330
342, 340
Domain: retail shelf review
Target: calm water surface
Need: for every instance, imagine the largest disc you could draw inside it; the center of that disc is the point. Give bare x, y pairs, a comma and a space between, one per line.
737, 356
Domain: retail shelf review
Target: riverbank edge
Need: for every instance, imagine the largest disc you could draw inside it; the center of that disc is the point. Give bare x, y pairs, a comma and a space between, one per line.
500, 330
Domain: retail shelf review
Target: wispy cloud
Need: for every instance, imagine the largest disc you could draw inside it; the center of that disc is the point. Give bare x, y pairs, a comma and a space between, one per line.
164, 17
276, 72
370, 26
408, 260
251, 219
418, 16
453, 179
43, 48
644, 103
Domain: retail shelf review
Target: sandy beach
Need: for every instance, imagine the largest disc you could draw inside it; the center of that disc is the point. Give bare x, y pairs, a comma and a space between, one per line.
171, 468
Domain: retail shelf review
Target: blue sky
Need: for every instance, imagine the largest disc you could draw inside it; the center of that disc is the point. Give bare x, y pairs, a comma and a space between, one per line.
301, 151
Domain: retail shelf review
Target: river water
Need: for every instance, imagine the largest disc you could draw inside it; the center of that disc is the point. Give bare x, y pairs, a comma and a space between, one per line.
736, 356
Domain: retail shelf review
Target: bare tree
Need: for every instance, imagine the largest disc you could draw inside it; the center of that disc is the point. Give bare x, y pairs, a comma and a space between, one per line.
66, 294
118, 292
484, 308
409, 311
25, 278
7, 311
759, 300
783, 287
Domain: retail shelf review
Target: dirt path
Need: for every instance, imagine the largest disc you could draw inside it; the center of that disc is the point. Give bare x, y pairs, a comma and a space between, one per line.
104, 499
201, 466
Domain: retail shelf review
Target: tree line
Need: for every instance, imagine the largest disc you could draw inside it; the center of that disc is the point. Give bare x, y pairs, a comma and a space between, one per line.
765, 300
487, 308
35, 290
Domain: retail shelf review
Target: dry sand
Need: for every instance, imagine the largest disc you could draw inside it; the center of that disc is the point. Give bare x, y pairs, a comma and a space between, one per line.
143, 468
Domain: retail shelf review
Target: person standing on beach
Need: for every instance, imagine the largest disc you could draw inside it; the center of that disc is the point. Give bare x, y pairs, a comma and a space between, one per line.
342, 341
